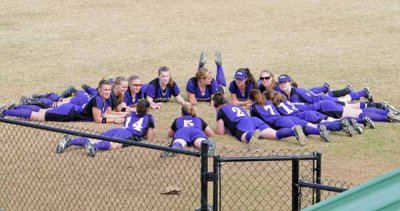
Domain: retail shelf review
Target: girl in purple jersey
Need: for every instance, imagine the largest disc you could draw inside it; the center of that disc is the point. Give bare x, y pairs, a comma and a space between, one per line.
266, 111
96, 109
220, 75
118, 91
241, 86
189, 130
267, 81
333, 108
201, 87
296, 94
245, 128
136, 91
138, 125
162, 88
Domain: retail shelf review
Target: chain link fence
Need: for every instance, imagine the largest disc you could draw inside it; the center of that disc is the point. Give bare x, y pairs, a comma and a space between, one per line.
34, 177
262, 183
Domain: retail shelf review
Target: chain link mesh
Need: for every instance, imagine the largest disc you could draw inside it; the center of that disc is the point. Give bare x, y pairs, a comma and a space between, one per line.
260, 185
34, 177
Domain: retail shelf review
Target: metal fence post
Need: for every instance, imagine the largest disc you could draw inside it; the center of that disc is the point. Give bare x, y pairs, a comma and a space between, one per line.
203, 176
318, 180
295, 184
215, 182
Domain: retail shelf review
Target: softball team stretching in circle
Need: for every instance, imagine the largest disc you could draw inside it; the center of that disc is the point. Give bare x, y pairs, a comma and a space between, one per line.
278, 108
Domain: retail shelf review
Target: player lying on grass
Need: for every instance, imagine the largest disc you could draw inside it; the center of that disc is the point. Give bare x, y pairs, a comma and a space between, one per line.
189, 130
266, 111
79, 98
162, 88
240, 87
138, 125
246, 128
97, 109
332, 107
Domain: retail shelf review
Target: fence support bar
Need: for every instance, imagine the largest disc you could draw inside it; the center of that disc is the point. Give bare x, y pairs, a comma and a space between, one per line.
204, 176
318, 179
321, 187
295, 184
216, 166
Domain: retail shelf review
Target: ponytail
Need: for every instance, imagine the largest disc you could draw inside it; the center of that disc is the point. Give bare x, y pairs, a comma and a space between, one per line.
256, 96
275, 97
250, 78
219, 99
188, 110
142, 106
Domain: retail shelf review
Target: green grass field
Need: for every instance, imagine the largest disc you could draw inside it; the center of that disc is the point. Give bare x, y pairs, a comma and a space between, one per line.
49, 45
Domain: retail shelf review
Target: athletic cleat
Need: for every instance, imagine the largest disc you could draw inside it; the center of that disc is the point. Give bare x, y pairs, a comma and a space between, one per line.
356, 126
324, 133
328, 86
391, 108
255, 136
167, 154
2, 109
85, 87
347, 128
90, 149
24, 100
351, 88
369, 96
63, 144
393, 117
70, 91
212, 148
218, 58
301, 138
202, 60
11, 105
40, 95
368, 122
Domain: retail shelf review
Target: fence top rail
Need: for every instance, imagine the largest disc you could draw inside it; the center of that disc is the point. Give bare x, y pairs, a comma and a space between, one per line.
321, 187
267, 158
100, 137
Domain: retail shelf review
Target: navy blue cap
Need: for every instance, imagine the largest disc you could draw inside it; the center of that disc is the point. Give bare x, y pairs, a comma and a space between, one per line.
240, 74
284, 78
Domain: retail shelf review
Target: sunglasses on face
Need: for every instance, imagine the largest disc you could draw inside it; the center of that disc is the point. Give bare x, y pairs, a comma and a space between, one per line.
137, 85
265, 78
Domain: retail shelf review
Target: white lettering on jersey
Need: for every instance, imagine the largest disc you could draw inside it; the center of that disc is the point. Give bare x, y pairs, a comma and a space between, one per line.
239, 113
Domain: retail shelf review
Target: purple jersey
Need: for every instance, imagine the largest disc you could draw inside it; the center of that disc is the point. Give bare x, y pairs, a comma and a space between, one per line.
188, 121
267, 113
287, 108
234, 89
193, 87
155, 91
237, 121
132, 101
189, 128
71, 112
95, 102
139, 125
